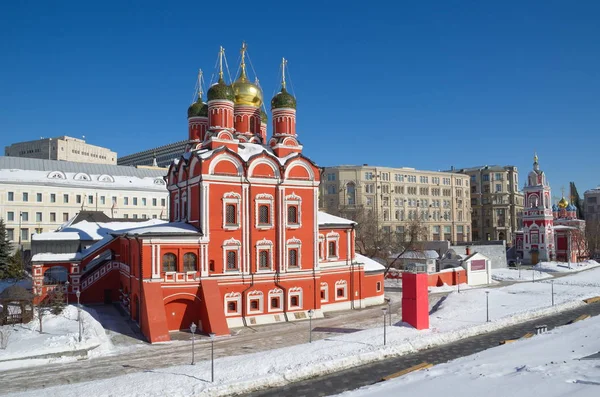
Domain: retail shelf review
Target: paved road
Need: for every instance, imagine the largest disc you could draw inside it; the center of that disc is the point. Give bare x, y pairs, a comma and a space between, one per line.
372, 373
136, 357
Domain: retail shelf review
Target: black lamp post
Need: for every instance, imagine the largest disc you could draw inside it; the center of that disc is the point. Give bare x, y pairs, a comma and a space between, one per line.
384, 310
311, 312
212, 357
487, 306
78, 294
67, 287
389, 304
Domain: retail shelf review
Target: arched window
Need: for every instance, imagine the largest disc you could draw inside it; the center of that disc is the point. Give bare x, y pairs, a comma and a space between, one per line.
351, 193
169, 262
56, 275
292, 214
263, 214
263, 259
190, 262
230, 218
232, 260
293, 258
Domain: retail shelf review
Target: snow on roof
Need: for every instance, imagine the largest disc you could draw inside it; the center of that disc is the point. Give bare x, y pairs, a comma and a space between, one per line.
53, 236
370, 265
247, 150
564, 227
426, 254
51, 257
99, 230
165, 228
323, 218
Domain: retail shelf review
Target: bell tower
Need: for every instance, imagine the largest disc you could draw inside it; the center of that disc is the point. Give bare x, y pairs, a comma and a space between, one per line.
283, 106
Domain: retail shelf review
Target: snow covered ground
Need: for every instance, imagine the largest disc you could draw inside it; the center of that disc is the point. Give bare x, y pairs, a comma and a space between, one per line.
460, 315
548, 365
541, 271
562, 267
59, 334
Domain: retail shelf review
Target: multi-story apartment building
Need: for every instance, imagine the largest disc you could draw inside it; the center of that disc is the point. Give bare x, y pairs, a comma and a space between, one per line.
161, 156
496, 202
592, 204
397, 196
63, 148
40, 195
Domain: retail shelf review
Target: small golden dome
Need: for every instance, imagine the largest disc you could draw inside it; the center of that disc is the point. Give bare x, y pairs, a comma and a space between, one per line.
245, 92
563, 203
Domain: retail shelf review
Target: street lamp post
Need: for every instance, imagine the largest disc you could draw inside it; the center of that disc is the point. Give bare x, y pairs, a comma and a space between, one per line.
311, 312
384, 310
552, 286
533, 272
458, 282
67, 286
487, 306
389, 303
212, 357
78, 294
193, 331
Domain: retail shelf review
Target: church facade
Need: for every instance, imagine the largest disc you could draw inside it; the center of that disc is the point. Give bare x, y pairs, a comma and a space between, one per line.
245, 243
551, 232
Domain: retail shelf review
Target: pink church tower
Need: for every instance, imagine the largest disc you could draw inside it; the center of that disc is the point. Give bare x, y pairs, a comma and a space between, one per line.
538, 219
283, 107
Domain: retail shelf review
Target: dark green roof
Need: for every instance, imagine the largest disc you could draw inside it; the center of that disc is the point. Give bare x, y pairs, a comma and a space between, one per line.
198, 109
220, 91
283, 99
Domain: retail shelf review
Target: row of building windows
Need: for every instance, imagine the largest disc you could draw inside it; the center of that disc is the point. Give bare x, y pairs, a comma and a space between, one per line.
98, 156
264, 217
39, 216
89, 199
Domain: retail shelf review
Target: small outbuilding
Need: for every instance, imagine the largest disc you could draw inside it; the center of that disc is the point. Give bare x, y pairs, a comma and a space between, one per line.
16, 305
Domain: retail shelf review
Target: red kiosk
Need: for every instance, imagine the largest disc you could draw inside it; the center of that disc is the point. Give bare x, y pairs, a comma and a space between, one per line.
415, 296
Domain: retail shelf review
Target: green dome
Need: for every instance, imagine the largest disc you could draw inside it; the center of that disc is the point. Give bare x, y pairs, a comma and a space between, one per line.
220, 91
198, 109
263, 116
283, 99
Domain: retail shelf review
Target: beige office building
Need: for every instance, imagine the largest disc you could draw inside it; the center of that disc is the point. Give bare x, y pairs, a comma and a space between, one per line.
40, 195
396, 196
64, 148
496, 202
591, 207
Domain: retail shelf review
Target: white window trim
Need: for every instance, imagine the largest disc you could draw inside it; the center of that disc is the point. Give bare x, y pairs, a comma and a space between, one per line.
232, 198
341, 284
255, 295
293, 200
231, 245
177, 206
295, 291
264, 199
264, 245
331, 236
325, 287
322, 247
296, 244
233, 297
276, 293
183, 207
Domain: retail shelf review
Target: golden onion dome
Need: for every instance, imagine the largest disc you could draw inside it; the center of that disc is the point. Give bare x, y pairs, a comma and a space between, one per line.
245, 92
563, 203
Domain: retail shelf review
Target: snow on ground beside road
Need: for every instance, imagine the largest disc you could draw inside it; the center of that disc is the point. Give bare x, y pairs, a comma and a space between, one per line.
508, 274
460, 315
546, 365
60, 334
563, 267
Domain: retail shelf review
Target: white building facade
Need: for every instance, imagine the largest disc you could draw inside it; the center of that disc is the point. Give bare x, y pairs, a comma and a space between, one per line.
40, 195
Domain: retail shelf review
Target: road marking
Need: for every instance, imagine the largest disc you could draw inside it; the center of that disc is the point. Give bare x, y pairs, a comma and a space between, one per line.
592, 300
527, 335
582, 317
423, 365
507, 341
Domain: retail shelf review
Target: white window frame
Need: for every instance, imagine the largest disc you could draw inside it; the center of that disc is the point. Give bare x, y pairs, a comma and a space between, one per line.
264, 199
276, 293
264, 245
233, 297
183, 207
295, 291
332, 236
232, 245
293, 243
321, 247
255, 295
235, 199
177, 205
293, 200
344, 285
325, 287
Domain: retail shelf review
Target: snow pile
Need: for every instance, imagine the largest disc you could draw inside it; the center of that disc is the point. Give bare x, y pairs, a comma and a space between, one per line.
563, 267
549, 363
60, 334
504, 274
459, 316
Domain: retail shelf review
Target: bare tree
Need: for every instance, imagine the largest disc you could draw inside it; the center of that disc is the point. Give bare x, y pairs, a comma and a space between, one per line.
592, 236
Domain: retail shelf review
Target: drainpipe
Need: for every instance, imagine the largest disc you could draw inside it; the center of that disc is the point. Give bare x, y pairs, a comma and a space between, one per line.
248, 208
140, 277
349, 250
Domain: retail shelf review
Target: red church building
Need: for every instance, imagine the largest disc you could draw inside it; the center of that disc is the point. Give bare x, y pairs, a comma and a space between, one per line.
245, 243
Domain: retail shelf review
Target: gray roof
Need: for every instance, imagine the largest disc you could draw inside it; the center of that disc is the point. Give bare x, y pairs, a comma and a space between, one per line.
16, 292
23, 163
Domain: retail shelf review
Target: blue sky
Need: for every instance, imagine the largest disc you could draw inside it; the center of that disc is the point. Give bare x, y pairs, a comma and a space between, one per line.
424, 84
